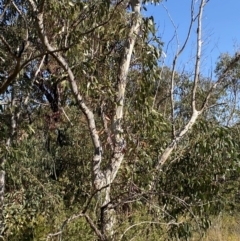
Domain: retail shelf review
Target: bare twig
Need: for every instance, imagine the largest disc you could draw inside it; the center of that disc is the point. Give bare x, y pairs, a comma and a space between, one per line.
195, 113
178, 53
5, 9
148, 222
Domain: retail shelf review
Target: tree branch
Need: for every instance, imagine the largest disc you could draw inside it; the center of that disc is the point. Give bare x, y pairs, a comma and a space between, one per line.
11, 77
119, 141
221, 78
98, 176
178, 53
167, 152
198, 56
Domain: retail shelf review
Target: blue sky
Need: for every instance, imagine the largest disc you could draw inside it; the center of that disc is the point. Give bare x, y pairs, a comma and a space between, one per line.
221, 30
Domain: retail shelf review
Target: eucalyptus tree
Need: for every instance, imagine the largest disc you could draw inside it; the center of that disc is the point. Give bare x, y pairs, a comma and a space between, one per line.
42, 58
93, 66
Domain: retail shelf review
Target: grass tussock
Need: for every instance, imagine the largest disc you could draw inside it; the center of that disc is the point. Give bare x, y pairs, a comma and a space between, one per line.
224, 228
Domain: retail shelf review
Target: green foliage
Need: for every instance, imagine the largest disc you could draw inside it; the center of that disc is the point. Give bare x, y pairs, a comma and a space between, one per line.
191, 184
49, 151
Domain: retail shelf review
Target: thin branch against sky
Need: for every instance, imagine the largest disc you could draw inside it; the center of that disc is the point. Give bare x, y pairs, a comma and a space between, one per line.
221, 31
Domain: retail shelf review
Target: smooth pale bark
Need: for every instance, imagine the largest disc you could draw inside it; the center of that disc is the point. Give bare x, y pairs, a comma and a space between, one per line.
167, 152
102, 179
195, 113
118, 132
98, 176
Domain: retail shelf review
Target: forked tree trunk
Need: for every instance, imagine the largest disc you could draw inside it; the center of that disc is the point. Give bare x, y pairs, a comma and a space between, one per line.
102, 178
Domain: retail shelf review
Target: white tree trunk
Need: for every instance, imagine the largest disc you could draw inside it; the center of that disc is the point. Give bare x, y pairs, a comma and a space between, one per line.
195, 113
102, 179
108, 212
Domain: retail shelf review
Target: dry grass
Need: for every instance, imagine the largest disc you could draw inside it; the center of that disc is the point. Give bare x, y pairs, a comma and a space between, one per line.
224, 228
